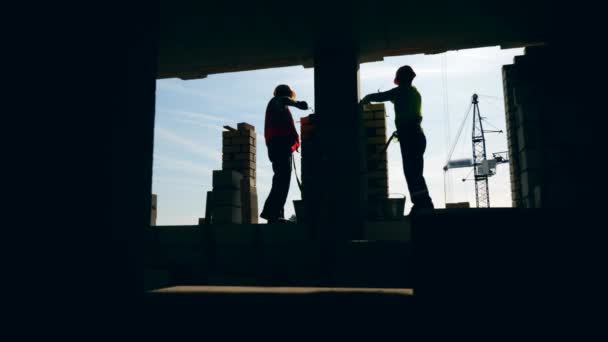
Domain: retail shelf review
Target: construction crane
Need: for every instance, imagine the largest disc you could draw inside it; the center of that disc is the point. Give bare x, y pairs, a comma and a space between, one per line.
483, 168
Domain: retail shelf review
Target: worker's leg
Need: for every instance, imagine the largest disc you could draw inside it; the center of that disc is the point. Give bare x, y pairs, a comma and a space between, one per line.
413, 145
280, 156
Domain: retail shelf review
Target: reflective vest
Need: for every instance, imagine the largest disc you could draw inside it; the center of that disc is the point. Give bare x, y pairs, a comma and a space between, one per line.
408, 105
280, 123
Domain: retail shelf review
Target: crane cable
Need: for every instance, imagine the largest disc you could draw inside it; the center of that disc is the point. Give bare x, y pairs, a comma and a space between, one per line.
447, 181
466, 116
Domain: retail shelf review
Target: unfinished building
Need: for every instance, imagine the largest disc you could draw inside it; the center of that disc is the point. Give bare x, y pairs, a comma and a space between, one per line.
449, 262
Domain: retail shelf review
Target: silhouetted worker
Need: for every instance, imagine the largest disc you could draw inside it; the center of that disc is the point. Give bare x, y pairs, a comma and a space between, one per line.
408, 117
282, 140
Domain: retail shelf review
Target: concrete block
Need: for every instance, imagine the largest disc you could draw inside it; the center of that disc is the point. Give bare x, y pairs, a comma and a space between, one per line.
388, 231
528, 202
283, 234
380, 115
369, 132
528, 180
372, 149
537, 197
378, 182
378, 191
249, 199
367, 115
208, 208
247, 133
527, 137
524, 93
227, 197
179, 235
376, 165
530, 159
231, 149
227, 214
243, 141
374, 123
247, 148
230, 134
381, 131
372, 107
376, 140
234, 235
245, 156
226, 179
243, 126
377, 174
248, 183
238, 164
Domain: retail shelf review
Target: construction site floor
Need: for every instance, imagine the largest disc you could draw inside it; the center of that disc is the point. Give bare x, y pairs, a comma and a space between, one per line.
220, 303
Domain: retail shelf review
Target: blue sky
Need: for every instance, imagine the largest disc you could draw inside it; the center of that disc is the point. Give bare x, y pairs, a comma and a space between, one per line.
190, 116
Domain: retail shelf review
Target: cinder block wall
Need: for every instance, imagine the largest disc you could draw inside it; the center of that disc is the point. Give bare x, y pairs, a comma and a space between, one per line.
238, 156
375, 165
539, 136
310, 152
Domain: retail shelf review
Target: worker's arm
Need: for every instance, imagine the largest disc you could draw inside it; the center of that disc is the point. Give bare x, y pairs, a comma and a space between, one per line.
378, 97
298, 104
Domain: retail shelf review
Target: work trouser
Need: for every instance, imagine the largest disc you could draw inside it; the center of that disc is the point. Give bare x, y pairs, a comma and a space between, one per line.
413, 144
279, 153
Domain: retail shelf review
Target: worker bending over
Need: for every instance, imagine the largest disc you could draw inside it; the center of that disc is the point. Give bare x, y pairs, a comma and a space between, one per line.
408, 118
282, 140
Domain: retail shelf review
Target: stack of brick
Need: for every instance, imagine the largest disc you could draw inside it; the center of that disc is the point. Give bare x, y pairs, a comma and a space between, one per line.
509, 73
539, 151
374, 134
225, 199
313, 169
309, 149
238, 154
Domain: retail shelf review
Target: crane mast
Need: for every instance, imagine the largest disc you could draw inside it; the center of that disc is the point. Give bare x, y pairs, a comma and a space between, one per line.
482, 167
482, 193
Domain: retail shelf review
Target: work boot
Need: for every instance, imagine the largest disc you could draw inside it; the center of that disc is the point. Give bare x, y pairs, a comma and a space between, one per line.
424, 207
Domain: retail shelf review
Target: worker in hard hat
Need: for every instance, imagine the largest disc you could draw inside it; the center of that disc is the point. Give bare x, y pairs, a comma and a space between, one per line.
408, 118
282, 140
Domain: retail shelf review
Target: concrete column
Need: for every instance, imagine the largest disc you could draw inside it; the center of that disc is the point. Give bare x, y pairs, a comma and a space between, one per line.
338, 200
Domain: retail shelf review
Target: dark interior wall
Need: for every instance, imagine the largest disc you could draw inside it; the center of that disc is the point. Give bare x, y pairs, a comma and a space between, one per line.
105, 128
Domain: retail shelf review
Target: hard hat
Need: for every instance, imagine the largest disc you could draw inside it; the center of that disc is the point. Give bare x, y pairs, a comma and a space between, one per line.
405, 73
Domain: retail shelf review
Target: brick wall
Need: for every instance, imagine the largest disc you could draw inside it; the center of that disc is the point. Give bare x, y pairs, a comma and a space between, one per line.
375, 166
539, 135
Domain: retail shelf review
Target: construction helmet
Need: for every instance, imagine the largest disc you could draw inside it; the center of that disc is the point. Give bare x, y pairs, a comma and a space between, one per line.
404, 74
284, 90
